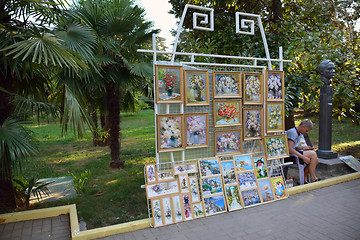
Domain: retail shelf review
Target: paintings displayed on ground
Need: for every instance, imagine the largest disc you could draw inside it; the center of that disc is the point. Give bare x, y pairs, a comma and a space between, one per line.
196, 88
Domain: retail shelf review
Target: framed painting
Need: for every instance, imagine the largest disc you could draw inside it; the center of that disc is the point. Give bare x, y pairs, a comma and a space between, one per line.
170, 132
214, 204
209, 167
198, 210
150, 172
251, 197
177, 208
276, 147
197, 130
253, 88
211, 185
233, 197
247, 180
167, 209
275, 117
183, 168
168, 84
194, 189
278, 185
260, 167
243, 162
226, 84
227, 113
274, 85
163, 188
227, 142
165, 175
184, 183
228, 172
196, 88
253, 123
186, 206
157, 213
253, 146
266, 190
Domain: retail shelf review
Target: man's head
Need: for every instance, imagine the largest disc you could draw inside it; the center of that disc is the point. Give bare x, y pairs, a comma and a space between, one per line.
305, 126
327, 70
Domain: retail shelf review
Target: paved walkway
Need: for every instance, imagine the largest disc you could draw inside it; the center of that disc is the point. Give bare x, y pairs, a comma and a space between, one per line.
328, 213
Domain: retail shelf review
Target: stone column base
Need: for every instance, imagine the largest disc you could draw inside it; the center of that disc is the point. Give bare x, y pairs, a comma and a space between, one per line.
326, 154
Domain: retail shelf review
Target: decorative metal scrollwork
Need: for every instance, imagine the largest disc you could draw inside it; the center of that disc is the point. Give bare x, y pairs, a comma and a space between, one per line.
245, 23
204, 21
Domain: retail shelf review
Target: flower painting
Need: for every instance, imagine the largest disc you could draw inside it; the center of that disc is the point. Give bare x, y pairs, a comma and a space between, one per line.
161, 189
260, 167
196, 88
251, 197
211, 185
227, 113
275, 85
228, 172
265, 190
197, 130
165, 175
227, 142
243, 163
252, 123
233, 197
170, 132
276, 147
209, 167
168, 84
177, 207
252, 88
279, 187
168, 213
275, 117
214, 205
247, 180
150, 173
226, 85
187, 207
194, 189
198, 210
184, 185
157, 213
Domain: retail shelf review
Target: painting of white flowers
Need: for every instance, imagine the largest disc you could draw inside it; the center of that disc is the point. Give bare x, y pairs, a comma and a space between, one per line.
226, 84
170, 132
197, 130
252, 88
275, 116
276, 147
227, 142
227, 113
169, 84
196, 88
275, 85
252, 123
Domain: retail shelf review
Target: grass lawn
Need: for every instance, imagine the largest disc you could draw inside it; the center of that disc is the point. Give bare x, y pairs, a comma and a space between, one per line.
114, 196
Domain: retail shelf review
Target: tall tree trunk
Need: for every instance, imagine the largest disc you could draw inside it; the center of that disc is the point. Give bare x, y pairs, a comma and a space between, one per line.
113, 123
290, 121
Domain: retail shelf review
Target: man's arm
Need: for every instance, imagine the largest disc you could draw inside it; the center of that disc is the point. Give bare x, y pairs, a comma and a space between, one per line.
293, 151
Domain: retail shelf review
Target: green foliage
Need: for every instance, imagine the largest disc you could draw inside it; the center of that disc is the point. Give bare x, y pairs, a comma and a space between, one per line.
80, 180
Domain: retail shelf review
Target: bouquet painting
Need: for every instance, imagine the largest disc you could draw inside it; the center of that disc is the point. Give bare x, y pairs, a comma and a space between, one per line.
276, 147
170, 132
226, 85
196, 130
227, 113
169, 84
253, 123
275, 117
253, 88
196, 90
275, 85
227, 142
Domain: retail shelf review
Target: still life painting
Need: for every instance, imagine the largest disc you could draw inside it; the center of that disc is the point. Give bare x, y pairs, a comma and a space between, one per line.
226, 85
243, 162
227, 142
252, 88
228, 172
275, 85
170, 132
209, 167
168, 84
227, 113
252, 123
196, 88
279, 187
197, 130
275, 117
260, 167
233, 197
265, 190
251, 197
211, 185
276, 147
214, 205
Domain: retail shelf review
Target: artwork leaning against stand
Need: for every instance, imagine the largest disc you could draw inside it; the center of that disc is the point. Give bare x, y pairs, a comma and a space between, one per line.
168, 212
276, 147
279, 187
253, 123
170, 132
150, 172
198, 210
227, 142
253, 89
214, 204
275, 85
168, 84
165, 175
177, 208
182, 168
266, 190
209, 167
197, 130
233, 197
243, 162
228, 172
163, 188
260, 167
227, 113
157, 213
275, 115
196, 88
226, 84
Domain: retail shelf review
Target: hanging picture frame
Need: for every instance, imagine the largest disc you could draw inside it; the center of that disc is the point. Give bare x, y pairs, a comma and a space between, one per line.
278, 185
168, 84
243, 162
276, 147
261, 170
170, 130
226, 84
214, 204
274, 85
227, 113
197, 130
266, 191
228, 172
275, 117
196, 88
233, 198
227, 142
253, 123
253, 88
157, 213
150, 172
209, 167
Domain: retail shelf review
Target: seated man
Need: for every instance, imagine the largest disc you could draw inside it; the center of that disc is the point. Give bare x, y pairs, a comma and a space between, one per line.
294, 136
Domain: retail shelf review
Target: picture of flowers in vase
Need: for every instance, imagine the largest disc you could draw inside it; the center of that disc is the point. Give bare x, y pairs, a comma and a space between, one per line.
275, 85
197, 130
227, 142
252, 88
170, 137
227, 113
275, 117
276, 147
197, 88
168, 85
226, 85
252, 123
